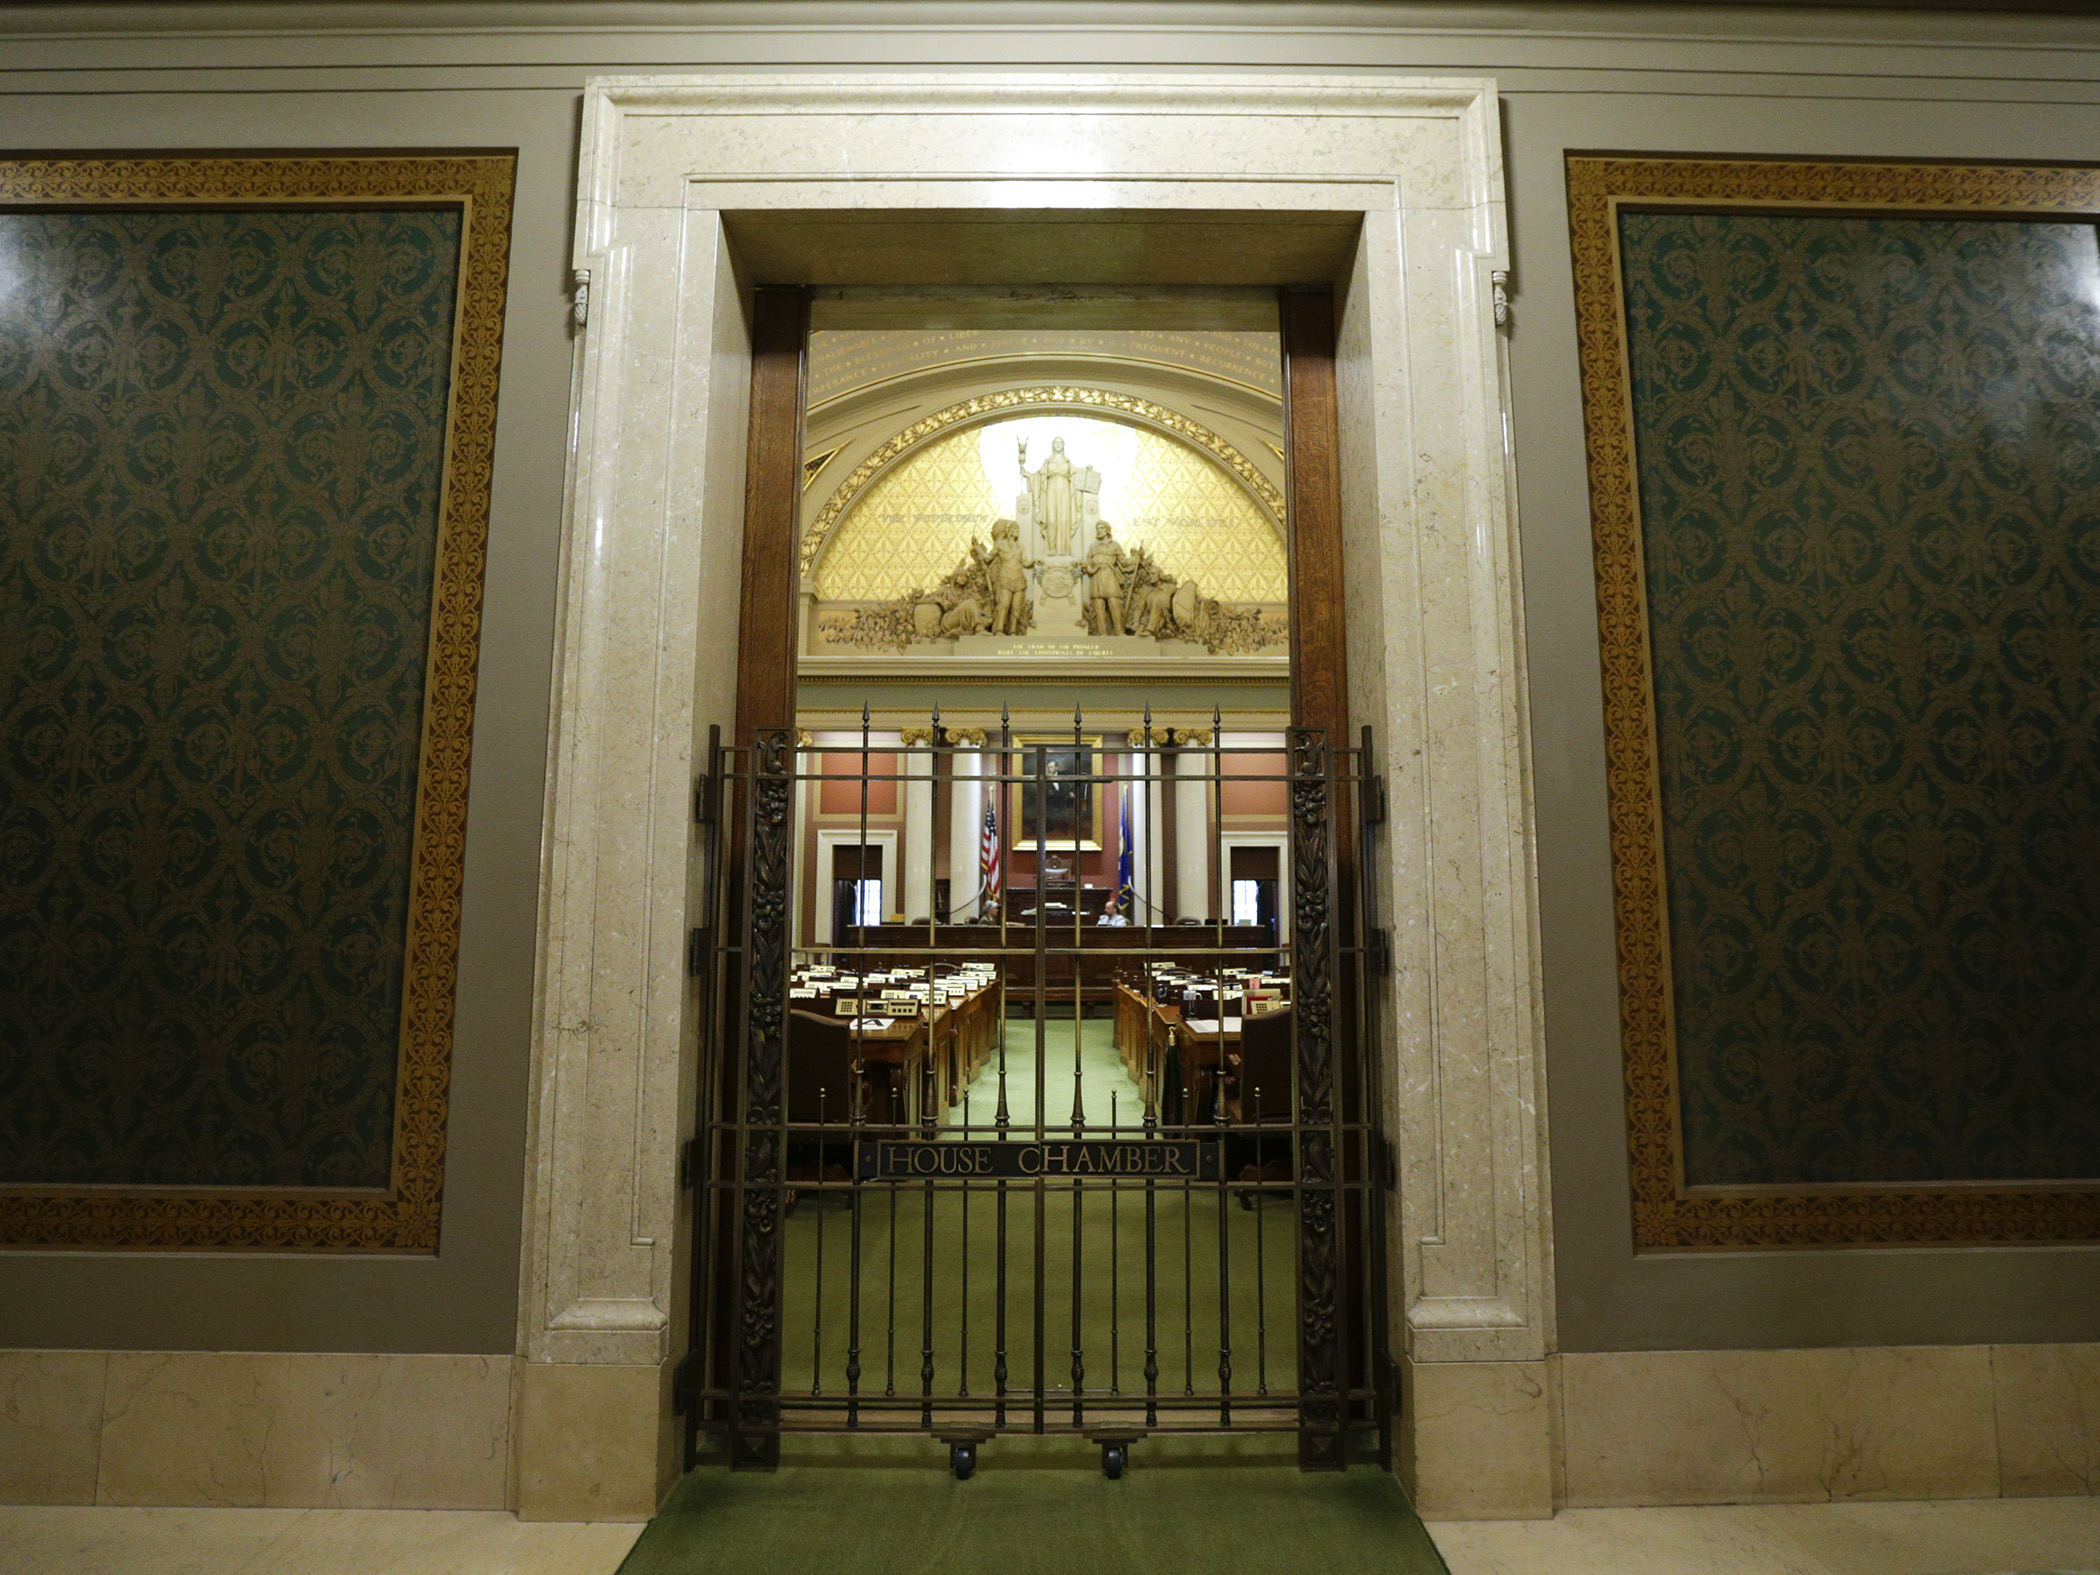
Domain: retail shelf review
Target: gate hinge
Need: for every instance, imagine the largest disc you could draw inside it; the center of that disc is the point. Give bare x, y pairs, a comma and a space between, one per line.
1378, 952
696, 953
1391, 1157
688, 1162
685, 1381
704, 799
1374, 801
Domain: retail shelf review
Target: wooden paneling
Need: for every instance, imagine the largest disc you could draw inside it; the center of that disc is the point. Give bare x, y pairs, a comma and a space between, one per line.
1313, 488
765, 680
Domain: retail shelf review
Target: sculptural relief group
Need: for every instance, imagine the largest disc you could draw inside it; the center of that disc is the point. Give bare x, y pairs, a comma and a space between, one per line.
1030, 580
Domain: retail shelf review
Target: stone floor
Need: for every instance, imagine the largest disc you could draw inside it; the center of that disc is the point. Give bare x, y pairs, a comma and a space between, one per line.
1975, 1537
1996, 1536
114, 1541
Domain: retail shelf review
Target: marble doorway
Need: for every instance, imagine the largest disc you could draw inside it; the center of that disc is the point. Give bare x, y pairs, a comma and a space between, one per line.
694, 190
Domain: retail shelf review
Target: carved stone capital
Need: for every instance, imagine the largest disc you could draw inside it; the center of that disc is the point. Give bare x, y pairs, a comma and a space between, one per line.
912, 737
967, 737
1192, 737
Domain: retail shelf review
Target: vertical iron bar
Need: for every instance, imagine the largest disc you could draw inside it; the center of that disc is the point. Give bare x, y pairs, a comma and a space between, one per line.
1225, 1250
1261, 1260
999, 1311
1188, 1256
1078, 1361
926, 1314
1002, 819
889, 1368
963, 1338
1004, 844
858, 1107
1151, 1243
816, 1202
1115, 1264
853, 1294
1042, 1092
1092, 785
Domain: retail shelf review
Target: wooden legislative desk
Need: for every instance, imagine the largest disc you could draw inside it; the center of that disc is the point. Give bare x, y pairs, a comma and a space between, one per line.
1090, 954
1156, 1039
936, 1054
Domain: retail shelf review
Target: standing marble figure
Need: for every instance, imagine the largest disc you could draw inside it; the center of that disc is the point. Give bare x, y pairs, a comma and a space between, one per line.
1008, 564
1053, 492
1105, 569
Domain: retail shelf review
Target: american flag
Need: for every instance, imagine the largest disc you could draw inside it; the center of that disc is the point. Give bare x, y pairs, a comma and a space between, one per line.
988, 858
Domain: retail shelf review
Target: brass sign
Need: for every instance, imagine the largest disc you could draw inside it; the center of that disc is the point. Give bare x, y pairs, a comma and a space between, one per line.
1077, 1159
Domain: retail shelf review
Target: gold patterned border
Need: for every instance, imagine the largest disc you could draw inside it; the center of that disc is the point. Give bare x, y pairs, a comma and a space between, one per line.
987, 407
1667, 1215
404, 1217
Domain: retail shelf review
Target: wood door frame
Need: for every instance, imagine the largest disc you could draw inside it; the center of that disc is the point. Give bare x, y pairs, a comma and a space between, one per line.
767, 647
765, 671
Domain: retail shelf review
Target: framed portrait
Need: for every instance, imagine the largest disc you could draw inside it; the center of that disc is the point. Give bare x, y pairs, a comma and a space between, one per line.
1056, 806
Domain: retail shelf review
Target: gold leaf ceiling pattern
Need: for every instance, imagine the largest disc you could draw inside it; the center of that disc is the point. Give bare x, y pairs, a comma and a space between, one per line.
916, 523
913, 525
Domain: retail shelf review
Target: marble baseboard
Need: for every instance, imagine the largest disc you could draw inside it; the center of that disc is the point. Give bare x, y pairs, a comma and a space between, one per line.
261, 1430
596, 1441
1475, 1439
1842, 1425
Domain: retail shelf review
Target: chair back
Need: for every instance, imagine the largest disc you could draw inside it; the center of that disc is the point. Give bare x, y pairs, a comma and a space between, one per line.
819, 1068
1265, 1063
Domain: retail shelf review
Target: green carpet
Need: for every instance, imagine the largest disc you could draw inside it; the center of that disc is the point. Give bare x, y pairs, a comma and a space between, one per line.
889, 1506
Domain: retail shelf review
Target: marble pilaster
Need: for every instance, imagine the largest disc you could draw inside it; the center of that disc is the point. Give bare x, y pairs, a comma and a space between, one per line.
1131, 785
965, 825
915, 766
1194, 831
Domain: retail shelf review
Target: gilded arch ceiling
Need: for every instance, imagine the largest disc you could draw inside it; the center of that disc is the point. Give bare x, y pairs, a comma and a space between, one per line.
1124, 409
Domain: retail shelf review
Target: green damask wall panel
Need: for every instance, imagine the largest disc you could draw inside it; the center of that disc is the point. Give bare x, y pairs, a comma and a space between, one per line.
222, 442
1869, 472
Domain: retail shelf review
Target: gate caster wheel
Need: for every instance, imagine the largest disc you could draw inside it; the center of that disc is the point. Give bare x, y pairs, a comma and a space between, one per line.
962, 1460
1114, 1457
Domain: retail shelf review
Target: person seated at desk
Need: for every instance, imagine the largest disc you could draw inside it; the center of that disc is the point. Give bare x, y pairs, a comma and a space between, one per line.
1110, 917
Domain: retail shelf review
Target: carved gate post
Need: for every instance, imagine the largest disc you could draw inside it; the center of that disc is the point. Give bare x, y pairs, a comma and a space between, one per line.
1318, 1177
761, 1115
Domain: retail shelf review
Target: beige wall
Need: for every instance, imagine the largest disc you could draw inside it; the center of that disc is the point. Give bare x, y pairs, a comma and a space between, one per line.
1772, 82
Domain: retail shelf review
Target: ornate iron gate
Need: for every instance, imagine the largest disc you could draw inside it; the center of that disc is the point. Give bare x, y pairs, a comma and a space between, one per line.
879, 1102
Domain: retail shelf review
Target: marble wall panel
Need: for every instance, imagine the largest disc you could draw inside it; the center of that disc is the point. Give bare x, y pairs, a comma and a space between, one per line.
1766, 1427
50, 1425
296, 1430
2048, 1416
